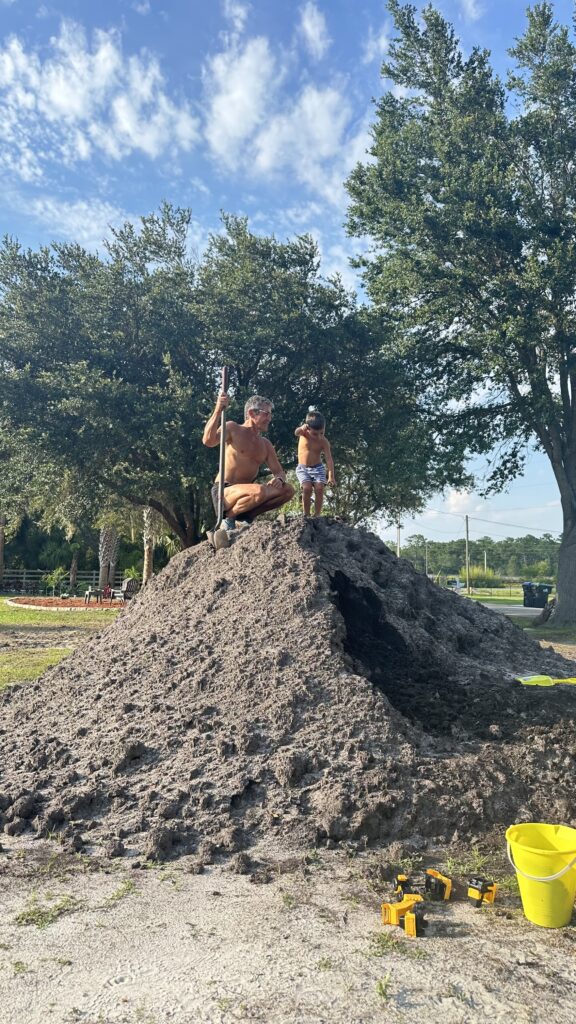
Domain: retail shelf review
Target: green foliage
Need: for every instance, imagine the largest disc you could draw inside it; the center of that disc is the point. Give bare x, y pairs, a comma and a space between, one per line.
44, 914
55, 578
132, 573
514, 557
110, 367
469, 200
481, 577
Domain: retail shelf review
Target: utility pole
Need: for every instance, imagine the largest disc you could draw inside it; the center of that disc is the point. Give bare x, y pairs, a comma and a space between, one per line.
467, 559
398, 528
484, 561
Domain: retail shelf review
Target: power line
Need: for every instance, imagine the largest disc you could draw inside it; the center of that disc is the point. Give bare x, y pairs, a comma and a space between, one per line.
495, 522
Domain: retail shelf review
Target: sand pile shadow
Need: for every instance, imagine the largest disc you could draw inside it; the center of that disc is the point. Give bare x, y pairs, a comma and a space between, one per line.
304, 686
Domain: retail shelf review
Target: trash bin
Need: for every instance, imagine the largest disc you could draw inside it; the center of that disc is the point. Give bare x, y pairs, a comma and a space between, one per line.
542, 592
536, 594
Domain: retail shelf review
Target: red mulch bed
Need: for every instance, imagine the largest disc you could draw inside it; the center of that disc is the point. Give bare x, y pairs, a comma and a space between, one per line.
66, 602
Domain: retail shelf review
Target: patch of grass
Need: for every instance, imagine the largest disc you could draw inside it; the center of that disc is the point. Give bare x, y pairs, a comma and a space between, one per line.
12, 617
20, 967
551, 634
325, 964
385, 943
23, 665
508, 885
44, 914
471, 863
288, 900
126, 888
225, 1003
383, 987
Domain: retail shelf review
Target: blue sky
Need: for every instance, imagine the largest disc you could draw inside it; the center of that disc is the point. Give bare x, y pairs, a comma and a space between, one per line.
257, 107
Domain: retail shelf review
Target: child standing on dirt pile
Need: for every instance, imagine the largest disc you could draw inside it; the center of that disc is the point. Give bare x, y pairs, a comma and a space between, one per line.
311, 471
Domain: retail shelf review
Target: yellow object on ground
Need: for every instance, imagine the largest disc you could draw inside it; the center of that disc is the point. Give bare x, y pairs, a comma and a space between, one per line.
541, 680
392, 913
544, 858
438, 886
481, 890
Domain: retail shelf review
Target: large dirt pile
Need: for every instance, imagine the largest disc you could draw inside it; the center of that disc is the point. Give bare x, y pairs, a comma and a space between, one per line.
300, 687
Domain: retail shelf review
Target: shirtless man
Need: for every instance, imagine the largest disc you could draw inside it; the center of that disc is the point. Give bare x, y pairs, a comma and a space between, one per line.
246, 451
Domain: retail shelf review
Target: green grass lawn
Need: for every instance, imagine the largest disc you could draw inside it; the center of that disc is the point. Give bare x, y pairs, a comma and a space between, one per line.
12, 617
22, 665
558, 634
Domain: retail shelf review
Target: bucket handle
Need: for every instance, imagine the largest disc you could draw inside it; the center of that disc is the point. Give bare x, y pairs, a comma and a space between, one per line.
536, 878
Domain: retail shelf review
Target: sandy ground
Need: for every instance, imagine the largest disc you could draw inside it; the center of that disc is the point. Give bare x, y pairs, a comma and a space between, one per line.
164, 945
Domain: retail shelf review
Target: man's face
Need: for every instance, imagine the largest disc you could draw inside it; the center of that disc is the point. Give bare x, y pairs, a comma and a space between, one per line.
262, 418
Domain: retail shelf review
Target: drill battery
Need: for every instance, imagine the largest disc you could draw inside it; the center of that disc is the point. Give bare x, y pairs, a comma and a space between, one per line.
415, 924
437, 886
481, 890
404, 884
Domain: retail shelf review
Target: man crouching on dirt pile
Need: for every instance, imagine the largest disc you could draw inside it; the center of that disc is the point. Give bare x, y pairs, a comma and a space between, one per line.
246, 451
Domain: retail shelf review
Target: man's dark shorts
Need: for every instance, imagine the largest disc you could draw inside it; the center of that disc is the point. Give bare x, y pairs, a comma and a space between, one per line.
215, 492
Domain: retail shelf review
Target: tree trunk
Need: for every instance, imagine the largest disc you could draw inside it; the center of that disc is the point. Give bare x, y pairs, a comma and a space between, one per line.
149, 516
113, 560
107, 552
2, 544
73, 571
565, 612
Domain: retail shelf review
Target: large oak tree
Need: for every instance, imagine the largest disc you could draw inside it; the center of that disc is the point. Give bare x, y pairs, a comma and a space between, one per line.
470, 201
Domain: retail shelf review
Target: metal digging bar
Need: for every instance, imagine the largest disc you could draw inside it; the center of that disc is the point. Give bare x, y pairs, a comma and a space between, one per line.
221, 539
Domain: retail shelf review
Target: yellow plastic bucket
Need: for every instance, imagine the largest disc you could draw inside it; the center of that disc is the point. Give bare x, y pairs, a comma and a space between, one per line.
544, 859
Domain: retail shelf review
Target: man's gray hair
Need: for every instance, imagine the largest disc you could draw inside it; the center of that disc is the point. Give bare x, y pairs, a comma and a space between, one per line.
257, 403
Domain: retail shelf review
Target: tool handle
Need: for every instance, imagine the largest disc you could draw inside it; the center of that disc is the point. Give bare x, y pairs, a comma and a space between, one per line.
221, 481
536, 878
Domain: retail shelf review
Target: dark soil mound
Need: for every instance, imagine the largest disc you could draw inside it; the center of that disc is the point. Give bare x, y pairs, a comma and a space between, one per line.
302, 686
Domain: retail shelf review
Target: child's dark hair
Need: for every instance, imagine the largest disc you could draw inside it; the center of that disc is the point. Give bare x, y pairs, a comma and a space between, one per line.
315, 419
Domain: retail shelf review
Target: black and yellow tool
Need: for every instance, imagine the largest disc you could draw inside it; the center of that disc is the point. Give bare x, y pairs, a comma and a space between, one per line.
415, 924
404, 884
392, 913
437, 886
481, 890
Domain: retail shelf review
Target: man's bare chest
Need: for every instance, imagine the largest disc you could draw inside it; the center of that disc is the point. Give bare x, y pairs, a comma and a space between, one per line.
249, 446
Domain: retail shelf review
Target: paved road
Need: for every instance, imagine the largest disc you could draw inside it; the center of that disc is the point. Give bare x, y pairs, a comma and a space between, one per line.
513, 609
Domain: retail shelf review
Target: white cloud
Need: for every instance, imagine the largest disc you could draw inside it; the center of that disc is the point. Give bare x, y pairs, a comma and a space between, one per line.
83, 99
375, 45
462, 502
313, 30
236, 13
141, 8
471, 9
336, 260
83, 221
305, 137
239, 84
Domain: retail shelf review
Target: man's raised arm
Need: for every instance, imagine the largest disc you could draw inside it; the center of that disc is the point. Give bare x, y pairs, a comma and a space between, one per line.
211, 435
